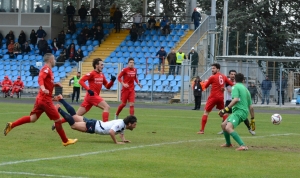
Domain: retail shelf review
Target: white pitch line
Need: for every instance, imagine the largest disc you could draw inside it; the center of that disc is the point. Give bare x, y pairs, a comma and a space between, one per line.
128, 148
33, 174
15, 112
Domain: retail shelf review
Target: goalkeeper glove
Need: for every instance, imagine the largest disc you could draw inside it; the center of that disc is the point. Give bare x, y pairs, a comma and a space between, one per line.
252, 124
224, 111
112, 78
91, 92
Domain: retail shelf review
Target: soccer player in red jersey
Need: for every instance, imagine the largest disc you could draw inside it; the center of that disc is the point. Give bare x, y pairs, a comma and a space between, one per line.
216, 97
17, 87
44, 102
127, 77
95, 80
6, 85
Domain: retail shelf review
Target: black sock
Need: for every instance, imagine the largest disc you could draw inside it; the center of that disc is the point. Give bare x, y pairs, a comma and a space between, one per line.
247, 123
67, 117
68, 107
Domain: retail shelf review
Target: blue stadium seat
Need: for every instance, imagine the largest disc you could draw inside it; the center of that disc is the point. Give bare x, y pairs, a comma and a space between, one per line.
114, 60
68, 36
137, 43
163, 77
173, 83
177, 78
170, 78
1, 66
131, 49
157, 44
133, 54
126, 54
162, 38
180, 33
169, 38
7, 67
167, 89
165, 83
90, 48
137, 88
124, 49
176, 38
185, 27
175, 89
156, 77
68, 69
55, 68
173, 33
129, 43
123, 44
29, 84
95, 43
61, 69
56, 79
85, 53
62, 74
159, 88
83, 48
88, 42
14, 67
138, 49
178, 27
140, 55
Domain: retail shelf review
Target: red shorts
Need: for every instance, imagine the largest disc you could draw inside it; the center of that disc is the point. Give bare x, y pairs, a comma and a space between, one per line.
5, 89
213, 101
16, 90
90, 101
127, 95
45, 105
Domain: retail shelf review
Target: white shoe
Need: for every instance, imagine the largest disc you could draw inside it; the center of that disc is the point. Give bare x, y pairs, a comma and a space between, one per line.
116, 117
252, 132
220, 133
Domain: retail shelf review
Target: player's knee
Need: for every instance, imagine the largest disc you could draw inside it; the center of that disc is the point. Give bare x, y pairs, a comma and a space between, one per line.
223, 125
107, 108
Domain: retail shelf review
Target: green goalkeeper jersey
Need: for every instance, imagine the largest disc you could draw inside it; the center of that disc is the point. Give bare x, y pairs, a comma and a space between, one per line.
242, 106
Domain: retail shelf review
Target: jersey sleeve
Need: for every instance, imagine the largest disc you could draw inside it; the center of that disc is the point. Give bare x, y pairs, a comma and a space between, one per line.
43, 74
235, 93
83, 79
121, 74
209, 81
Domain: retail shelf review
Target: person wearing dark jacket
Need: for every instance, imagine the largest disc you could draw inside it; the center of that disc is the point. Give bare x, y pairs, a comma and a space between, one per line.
33, 38
82, 12
281, 86
1, 38
194, 58
99, 34
81, 39
55, 45
61, 59
117, 19
72, 27
71, 52
140, 31
166, 30
42, 45
10, 36
34, 71
22, 38
253, 90
161, 54
266, 86
197, 88
70, 10
78, 55
61, 37
94, 13
196, 17
40, 33
172, 62
25, 48
133, 33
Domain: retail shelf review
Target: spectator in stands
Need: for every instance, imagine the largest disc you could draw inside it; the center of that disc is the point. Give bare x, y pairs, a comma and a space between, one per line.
164, 22
8, 41
141, 31
10, 49
72, 27
17, 49
22, 38
99, 34
42, 46
166, 29
82, 12
40, 33
253, 90
157, 25
33, 38
34, 71
25, 48
38, 9
63, 49
180, 56
137, 19
48, 9
6, 85
70, 10
161, 54
61, 59
194, 59
133, 33
79, 55
172, 62
55, 45
92, 32
112, 11
94, 13
17, 87
49, 50
99, 23
61, 37
81, 39
196, 17
151, 23
1, 38
117, 19
86, 33
71, 52
11, 35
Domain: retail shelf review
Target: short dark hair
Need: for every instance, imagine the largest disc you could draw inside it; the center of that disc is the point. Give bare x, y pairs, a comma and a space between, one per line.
239, 77
78, 72
231, 71
130, 119
217, 65
96, 62
130, 59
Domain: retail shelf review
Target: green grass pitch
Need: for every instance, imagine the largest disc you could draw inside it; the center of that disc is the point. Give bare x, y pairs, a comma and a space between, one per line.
164, 144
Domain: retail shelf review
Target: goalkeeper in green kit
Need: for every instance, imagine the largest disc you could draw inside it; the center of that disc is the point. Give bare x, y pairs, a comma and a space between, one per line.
241, 104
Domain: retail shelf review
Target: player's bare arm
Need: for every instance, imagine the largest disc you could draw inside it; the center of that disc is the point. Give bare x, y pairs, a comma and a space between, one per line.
44, 90
112, 134
123, 139
251, 109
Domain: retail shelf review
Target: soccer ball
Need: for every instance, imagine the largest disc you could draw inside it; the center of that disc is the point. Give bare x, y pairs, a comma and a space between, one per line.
72, 81
276, 119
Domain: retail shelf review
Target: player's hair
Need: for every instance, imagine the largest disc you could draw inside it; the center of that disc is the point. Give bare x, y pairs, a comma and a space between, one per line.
130, 119
130, 59
239, 77
47, 57
232, 71
78, 72
96, 62
217, 65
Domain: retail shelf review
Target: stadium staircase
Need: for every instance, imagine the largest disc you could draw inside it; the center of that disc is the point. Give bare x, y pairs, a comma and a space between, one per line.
105, 49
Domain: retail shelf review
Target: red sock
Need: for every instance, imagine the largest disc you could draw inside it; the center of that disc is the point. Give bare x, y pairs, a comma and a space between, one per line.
105, 116
61, 131
131, 110
121, 106
20, 121
63, 120
225, 117
204, 120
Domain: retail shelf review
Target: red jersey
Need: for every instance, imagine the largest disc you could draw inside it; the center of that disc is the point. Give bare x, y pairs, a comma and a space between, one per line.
95, 80
129, 76
46, 78
217, 82
18, 84
6, 83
